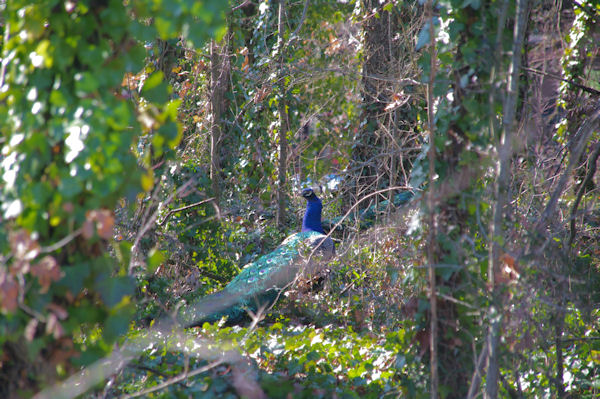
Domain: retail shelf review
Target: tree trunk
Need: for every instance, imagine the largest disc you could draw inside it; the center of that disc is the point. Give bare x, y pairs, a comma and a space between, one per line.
283, 124
431, 246
502, 199
219, 80
378, 159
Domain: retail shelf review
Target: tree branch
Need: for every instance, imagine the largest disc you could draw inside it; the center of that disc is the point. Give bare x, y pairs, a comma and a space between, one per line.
478, 373
502, 191
580, 141
183, 208
588, 177
150, 220
186, 374
431, 247
572, 83
295, 32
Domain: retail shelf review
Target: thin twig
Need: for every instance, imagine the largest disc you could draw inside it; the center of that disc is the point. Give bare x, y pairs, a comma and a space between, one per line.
243, 4
588, 177
4, 64
151, 220
572, 340
62, 242
572, 83
478, 373
183, 208
150, 369
347, 214
174, 380
302, 18
580, 140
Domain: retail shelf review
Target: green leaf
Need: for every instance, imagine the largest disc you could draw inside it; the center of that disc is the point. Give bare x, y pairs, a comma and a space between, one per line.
85, 83
155, 89
155, 259
116, 325
423, 38
69, 187
474, 4
165, 27
113, 289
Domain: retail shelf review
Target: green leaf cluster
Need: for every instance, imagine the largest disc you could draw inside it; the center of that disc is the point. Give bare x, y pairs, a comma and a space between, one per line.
69, 136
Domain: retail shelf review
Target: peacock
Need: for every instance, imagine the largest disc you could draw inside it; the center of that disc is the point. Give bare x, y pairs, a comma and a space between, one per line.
260, 283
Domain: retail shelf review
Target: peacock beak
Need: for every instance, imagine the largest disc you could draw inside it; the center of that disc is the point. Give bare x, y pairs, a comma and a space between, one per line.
307, 192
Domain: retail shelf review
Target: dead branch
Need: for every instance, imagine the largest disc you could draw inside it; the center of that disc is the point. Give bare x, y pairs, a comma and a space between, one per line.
580, 140
588, 177
183, 208
568, 81
302, 18
177, 379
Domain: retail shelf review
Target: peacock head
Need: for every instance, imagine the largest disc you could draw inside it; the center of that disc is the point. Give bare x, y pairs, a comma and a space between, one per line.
309, 194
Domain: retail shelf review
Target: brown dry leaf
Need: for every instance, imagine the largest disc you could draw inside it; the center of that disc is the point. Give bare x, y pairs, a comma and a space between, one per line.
30, 329
261, 94
68, 207
19, 266
398, 100
47, 271
423, 337
63, 351
246, 64
105, 223
509, 270
87, 230
53, 326
130, 81
23, 246
9, 292
59, 311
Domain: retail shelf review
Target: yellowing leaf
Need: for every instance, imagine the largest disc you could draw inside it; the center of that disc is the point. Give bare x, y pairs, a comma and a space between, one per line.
148, 180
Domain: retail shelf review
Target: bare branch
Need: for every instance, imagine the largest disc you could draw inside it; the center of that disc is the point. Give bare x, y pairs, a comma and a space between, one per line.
572, 83
181, 377
295, 32
183, 208
580, 140
588, 177
62, 242
431, 246
151, 220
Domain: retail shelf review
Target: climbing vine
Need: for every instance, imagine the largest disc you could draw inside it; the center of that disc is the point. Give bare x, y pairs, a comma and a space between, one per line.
70, 152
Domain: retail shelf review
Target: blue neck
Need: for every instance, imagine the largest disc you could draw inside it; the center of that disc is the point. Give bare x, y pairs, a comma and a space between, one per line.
312, 216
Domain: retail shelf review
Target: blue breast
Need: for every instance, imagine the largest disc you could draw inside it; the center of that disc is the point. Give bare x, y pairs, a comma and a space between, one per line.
312, 216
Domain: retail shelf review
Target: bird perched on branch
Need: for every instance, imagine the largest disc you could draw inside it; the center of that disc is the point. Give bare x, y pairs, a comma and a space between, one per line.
261, 282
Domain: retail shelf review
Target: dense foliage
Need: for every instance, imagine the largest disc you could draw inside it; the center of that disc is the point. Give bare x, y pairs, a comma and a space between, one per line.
151, 149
